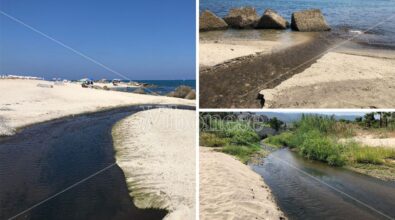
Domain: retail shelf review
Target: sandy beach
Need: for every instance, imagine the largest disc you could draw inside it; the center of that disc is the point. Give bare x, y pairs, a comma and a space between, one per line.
231, 190
23, 103
236, 83
156, 151
301, 74
339, 79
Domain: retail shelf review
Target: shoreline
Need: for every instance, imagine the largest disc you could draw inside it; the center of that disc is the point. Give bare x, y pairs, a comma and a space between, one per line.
159, 164
46, 104
255, 73
232, 190
268, 73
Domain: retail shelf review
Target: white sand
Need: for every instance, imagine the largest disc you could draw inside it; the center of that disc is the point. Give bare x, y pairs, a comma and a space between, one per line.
231, 190
219, 49
156, 151
211, 53
375, 142
23, 103
338, 80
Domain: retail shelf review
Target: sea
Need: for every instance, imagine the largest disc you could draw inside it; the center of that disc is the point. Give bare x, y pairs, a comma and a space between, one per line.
376, 17
162, 87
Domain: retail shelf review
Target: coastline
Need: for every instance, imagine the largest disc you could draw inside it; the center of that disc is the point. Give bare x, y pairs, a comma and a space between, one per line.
158, 159
304, 74
258, 72
230, 189
24, 103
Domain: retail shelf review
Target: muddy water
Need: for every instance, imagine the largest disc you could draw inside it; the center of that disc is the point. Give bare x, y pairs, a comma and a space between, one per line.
312, 190
47, 158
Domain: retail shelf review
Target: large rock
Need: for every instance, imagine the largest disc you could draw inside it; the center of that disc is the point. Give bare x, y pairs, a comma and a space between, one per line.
208, 21
139, 91
180, 92
309, 20
242, 17
191, 95
271, 20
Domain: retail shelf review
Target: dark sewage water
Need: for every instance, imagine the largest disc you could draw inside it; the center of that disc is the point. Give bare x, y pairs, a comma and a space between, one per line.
68, 165
312, 190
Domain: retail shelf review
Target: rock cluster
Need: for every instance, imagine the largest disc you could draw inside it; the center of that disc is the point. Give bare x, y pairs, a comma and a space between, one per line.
247, 17
184, 92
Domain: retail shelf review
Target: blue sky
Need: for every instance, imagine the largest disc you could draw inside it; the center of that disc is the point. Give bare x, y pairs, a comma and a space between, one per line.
144, 39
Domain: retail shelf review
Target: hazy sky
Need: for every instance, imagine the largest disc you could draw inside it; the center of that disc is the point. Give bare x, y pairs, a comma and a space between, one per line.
140, 39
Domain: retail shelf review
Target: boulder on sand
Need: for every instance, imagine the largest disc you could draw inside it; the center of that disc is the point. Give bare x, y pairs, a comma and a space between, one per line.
271, 20
180, 92
242, 17
309, 20
191, 95
208, 21
139, 91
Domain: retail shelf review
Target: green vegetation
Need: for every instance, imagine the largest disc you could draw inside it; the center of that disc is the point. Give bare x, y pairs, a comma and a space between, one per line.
315, 137
234, 137
280, 140
243, 153
318, 138
212, 140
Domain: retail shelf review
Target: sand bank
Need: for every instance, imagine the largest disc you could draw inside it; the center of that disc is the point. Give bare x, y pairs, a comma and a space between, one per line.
218, 47
23, 103
236, 83
213, 53
338, 80
372, 141
156, 151
231, 190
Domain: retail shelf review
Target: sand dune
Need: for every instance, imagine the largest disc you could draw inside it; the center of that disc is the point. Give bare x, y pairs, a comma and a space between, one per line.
23, 103
156, 151
231, 190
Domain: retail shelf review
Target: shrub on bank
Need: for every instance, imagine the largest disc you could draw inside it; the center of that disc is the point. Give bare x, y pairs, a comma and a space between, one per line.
323, 149
281, 140
238, 133
211, 140
243, 153
370, 155
236, 138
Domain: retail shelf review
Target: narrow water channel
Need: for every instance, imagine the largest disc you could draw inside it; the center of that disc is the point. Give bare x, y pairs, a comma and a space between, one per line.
312, 190
45, 159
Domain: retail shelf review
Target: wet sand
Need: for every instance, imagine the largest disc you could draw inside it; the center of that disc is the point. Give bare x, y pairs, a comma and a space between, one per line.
156, 151
231, 190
